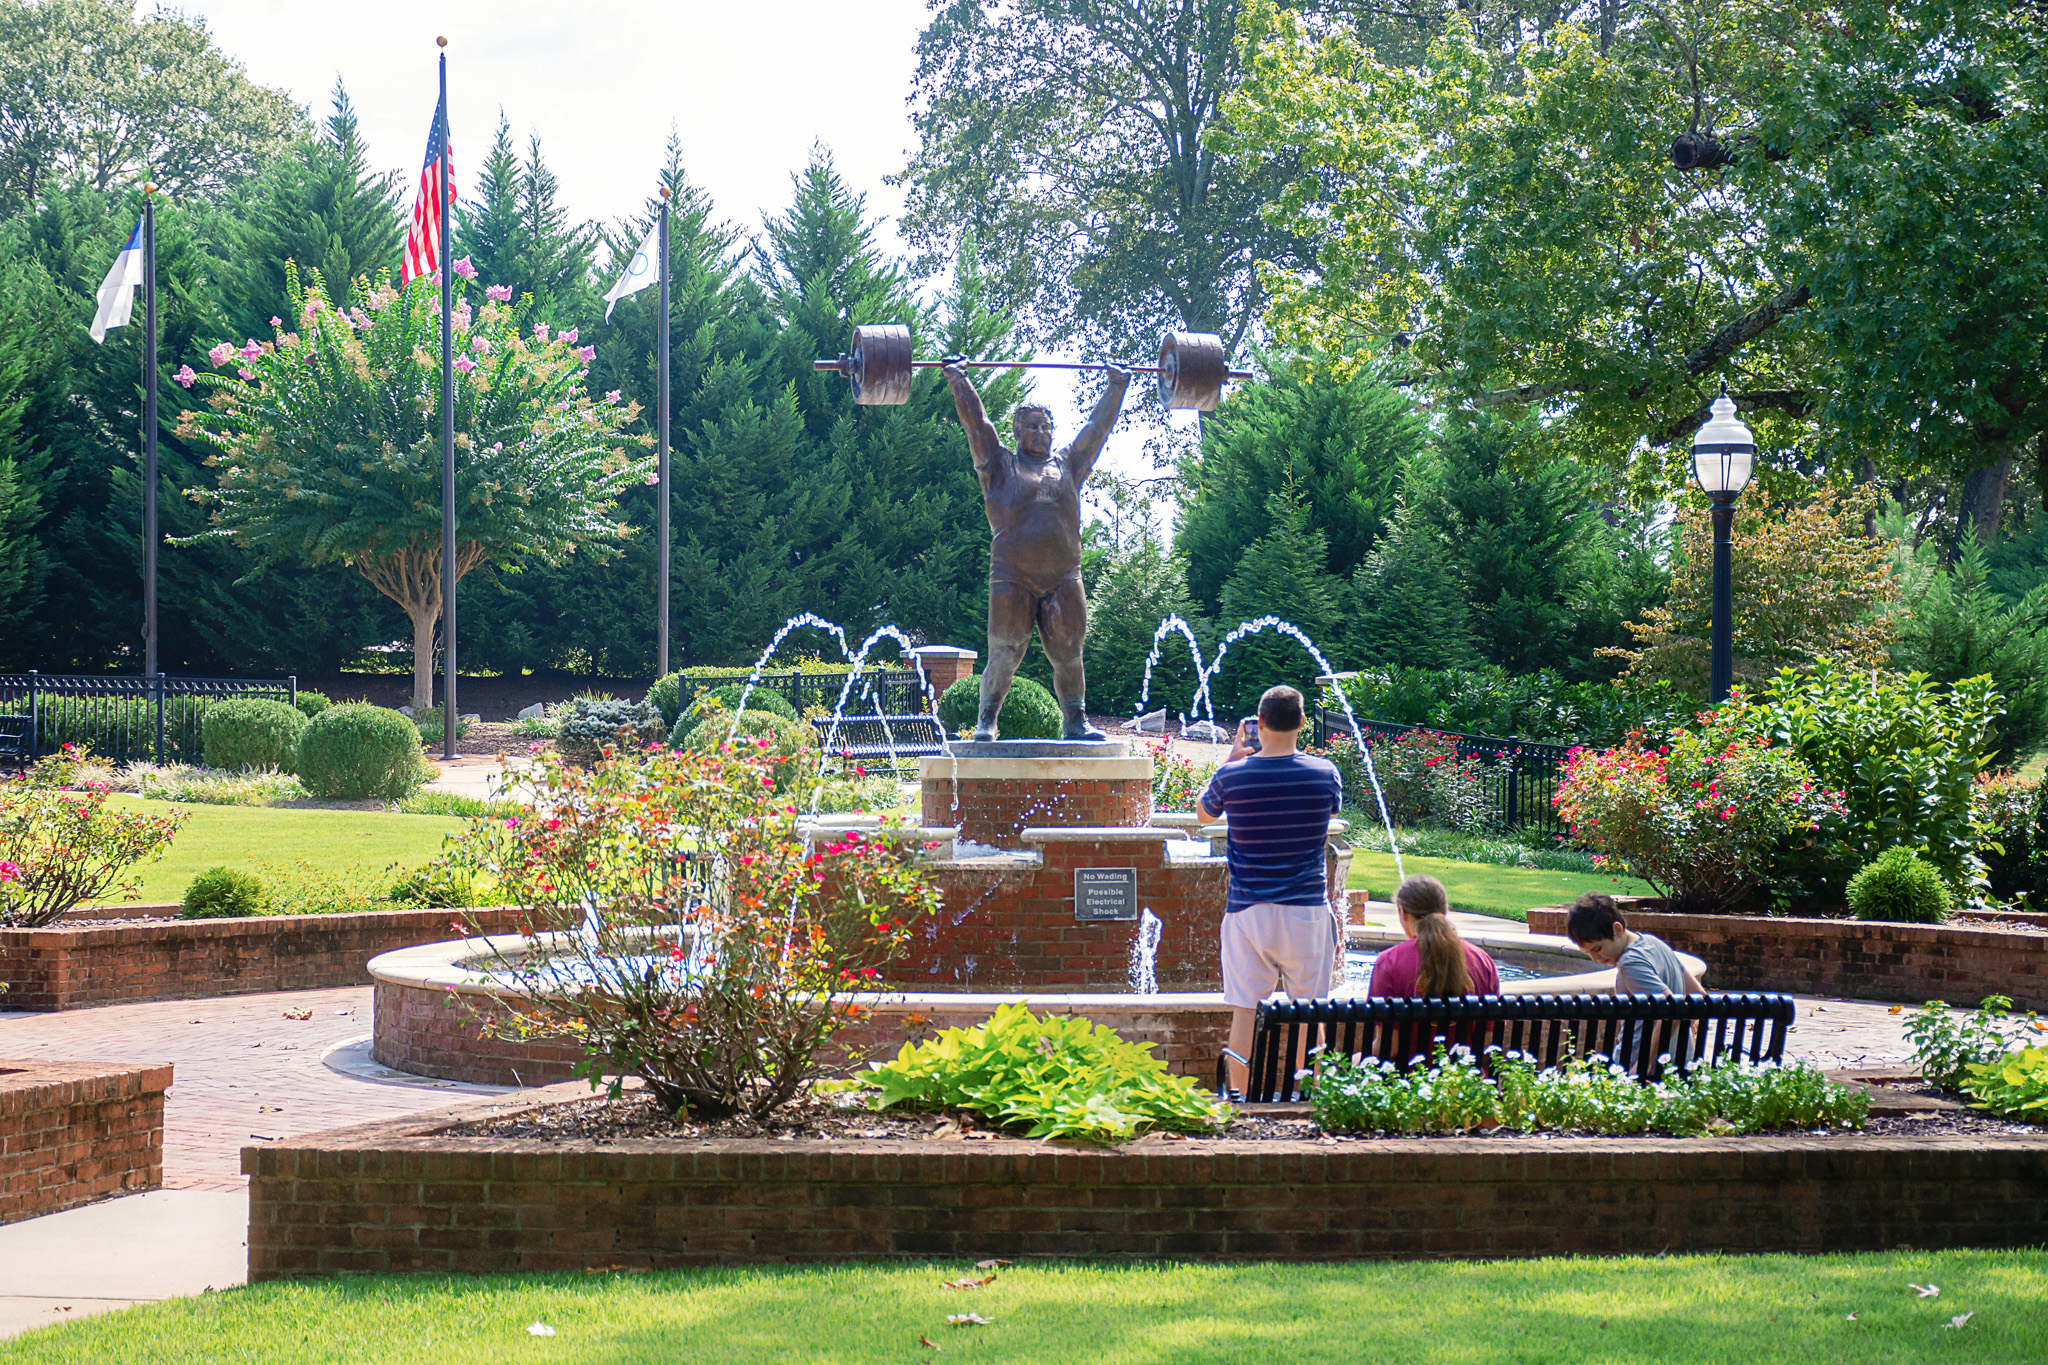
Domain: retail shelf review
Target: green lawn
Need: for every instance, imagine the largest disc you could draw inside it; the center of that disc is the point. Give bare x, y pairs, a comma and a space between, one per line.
1484, 889
1708, 1309
331, 840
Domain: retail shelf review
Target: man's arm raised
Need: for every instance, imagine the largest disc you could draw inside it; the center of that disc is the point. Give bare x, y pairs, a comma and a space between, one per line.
1087, 446
982, 440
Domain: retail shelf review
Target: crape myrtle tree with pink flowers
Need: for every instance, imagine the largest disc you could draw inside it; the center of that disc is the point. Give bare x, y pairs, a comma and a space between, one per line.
327, 441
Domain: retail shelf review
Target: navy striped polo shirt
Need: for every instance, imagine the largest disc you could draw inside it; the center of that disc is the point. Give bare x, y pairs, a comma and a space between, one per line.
1279, 811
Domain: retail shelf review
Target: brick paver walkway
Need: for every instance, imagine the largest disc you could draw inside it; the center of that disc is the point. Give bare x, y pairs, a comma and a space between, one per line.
243, 1070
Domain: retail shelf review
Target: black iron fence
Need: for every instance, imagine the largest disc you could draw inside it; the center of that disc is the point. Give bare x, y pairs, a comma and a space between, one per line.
126, 718
1524, 773
895, 692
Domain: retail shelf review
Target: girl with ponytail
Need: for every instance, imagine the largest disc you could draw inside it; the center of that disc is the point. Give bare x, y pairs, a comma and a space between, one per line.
1434, 960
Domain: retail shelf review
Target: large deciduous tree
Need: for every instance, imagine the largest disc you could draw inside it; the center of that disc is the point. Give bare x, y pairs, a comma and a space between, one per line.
92, 94
329, 445
1835, 212
1071, 137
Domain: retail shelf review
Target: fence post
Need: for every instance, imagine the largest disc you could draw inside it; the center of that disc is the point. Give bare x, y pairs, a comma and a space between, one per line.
156, 687
35, 719
1512, 814
292, 690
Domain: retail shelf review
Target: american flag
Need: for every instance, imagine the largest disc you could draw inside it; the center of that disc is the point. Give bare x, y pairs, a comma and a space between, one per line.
423, 242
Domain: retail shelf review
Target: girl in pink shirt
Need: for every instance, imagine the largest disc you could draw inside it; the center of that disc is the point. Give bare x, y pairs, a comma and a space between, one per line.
1434, 960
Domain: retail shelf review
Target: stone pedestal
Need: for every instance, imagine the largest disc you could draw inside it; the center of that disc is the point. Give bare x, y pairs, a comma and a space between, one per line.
994, 792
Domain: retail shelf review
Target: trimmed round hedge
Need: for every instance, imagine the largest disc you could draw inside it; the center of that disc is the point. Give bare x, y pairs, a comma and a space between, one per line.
724, 701
220, 892
312, 703
251, 732
1029, 712
1896, 885
795, 741
358, 752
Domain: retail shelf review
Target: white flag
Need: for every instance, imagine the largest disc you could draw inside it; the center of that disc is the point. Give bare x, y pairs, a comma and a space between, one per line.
641, 271
117, 291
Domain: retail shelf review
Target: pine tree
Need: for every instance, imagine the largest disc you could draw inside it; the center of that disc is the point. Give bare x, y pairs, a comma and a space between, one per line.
1958, 627
1341, 445
321, 207
1141, 585
1280, 574
1411, 607
516, 233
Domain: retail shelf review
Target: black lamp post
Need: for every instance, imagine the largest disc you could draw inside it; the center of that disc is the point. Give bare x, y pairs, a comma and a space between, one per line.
1723, 456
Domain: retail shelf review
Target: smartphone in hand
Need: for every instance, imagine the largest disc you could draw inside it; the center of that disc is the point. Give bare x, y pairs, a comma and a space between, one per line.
1249, 728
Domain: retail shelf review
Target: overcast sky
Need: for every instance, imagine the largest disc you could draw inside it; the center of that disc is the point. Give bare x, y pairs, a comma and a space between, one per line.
748, 88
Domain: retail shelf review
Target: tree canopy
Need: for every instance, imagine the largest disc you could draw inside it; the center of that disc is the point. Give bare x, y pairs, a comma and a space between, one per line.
1832, 212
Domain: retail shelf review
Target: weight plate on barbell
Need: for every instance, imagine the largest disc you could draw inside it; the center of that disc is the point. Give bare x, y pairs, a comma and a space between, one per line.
881, 369
1192, 368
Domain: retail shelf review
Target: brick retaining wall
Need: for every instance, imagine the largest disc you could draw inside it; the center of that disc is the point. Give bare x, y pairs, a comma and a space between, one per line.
72, 968
392, 1197
72, 1132
1864, 959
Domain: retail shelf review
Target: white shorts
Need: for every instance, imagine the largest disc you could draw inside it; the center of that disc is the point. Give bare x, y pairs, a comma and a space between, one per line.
1286, 948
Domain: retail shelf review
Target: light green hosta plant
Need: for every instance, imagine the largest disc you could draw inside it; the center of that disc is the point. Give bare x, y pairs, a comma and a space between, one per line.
329, 442
2015, 1085
1063, 1075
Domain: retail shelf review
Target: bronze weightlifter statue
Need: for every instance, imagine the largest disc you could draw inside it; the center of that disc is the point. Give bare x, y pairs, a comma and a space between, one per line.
1033, 497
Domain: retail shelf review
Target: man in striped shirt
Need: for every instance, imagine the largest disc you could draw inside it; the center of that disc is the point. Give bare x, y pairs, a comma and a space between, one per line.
1279, 932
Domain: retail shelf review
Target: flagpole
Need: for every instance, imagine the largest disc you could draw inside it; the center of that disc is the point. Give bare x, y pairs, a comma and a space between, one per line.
448, 710
149, 419
661, 455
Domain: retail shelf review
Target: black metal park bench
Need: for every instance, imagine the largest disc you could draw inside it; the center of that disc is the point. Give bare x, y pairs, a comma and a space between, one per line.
1645, 1034
17, 741
861, 738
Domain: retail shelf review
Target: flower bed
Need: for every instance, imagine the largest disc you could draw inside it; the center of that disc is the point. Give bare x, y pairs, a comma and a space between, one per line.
1869, 960
398, 1196
72, 1132
63, 968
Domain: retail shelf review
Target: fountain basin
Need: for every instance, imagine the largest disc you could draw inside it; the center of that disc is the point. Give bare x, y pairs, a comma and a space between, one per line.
430, 1000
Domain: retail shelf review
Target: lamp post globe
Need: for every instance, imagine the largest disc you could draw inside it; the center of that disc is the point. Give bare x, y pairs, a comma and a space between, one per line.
1723, 458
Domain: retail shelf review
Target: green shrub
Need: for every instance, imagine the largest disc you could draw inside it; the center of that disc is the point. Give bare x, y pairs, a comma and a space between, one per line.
2014, 812
1064, 1075
1905, 755
454, 803
666, 696
1897, 885
312, 703
585, 727
357, 752
536, 727
722, 701
429, 723
1946, 1047
1701, 817
220, 892
441, 885
303, 889
792, 745
1029, 712
249, 732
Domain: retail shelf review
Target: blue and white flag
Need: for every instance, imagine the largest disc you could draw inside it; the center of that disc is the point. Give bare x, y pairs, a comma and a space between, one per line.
117, 291
640, 270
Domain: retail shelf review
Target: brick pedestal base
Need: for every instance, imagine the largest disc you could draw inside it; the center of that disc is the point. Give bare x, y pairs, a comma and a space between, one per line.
994, 800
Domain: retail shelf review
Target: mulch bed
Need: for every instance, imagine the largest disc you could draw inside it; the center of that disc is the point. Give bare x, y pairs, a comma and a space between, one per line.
636, 1117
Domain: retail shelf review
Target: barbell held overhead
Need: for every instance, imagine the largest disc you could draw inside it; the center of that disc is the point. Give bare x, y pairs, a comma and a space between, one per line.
1192, 368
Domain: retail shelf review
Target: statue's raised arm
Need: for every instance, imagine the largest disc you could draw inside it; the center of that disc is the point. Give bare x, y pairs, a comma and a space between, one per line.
982, 440
1087, 446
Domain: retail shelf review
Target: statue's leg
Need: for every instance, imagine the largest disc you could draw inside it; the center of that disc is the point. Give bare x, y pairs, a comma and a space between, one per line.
1062, 626
1011, 609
